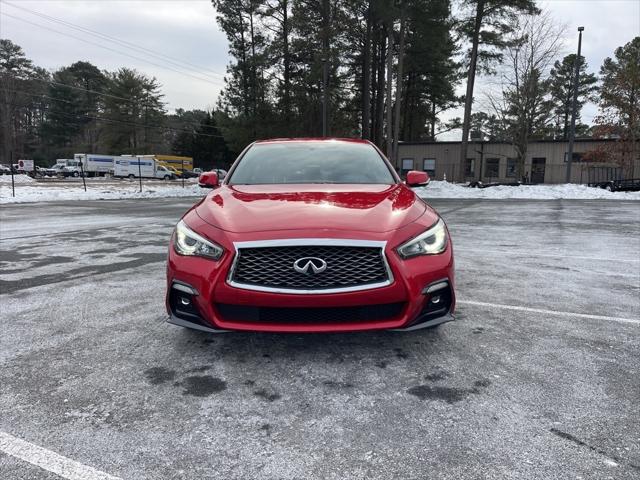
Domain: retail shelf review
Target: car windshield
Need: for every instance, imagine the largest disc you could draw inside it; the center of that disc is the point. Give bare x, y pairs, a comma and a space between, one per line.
311, 162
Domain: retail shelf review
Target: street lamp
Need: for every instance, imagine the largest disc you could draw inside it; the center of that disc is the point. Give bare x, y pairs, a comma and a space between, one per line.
574, 106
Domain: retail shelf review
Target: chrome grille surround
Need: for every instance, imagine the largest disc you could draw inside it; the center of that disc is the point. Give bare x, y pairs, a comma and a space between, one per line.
311, 242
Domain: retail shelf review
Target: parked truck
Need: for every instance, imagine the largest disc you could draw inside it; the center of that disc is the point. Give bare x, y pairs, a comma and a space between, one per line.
68, 167
94, 164
140, 166
175, 161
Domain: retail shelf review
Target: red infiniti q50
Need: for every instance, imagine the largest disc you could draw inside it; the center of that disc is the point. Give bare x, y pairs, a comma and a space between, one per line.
310, 235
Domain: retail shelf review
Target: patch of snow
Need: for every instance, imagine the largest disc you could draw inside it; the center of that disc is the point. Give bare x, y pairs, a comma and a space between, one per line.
443, 189
30, 194
16, 178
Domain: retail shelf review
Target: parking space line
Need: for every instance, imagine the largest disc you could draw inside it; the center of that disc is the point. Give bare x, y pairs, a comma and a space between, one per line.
50, 461
560, 313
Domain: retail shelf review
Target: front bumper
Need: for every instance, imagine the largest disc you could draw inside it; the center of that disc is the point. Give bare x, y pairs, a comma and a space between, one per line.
216, 306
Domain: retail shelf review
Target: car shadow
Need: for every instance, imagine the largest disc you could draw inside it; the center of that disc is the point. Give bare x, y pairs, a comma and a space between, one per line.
372, 345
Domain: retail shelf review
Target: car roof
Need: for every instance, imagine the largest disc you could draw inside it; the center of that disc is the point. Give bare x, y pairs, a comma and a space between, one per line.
314, 139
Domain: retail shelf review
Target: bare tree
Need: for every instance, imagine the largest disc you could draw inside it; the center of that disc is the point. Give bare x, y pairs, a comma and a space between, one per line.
522, 103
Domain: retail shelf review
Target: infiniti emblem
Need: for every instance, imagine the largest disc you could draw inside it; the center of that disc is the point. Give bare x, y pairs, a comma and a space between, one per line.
310, 265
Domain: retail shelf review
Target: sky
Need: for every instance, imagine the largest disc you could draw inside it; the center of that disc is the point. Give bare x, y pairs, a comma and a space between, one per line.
186, 31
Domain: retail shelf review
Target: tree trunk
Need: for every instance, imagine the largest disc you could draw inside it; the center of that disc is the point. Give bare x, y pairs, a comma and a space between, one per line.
432, 121
366, 79
471, 77
399, 81
286, 58
389, 111
379, 133
325, 67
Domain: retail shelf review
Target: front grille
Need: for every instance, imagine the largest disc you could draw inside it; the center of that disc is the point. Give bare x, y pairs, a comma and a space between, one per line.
309, 315
347, 267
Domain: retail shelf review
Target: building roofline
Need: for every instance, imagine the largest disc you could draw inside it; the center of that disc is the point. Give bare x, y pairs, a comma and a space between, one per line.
489, 142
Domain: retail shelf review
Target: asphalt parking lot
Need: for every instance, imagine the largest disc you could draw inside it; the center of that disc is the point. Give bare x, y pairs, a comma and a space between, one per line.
539, 376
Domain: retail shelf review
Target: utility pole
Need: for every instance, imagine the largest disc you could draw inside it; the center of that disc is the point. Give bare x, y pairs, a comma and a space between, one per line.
574, 107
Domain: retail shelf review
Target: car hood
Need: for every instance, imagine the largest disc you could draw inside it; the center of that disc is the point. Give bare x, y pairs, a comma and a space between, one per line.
367, 208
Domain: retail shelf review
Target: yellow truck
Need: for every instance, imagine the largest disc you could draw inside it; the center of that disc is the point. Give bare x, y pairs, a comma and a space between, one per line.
178, 163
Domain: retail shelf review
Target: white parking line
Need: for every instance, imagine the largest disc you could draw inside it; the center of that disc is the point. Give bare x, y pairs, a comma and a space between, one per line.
517, 308
50, 461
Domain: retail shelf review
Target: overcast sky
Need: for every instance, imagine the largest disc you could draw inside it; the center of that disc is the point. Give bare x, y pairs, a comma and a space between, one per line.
186, 31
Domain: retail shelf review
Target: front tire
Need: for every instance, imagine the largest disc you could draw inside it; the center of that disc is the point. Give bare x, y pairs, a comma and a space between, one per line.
167, 178
76, 174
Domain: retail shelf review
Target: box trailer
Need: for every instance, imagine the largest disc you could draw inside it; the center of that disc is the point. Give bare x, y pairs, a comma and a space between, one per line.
141, 166
95, 164
175, 161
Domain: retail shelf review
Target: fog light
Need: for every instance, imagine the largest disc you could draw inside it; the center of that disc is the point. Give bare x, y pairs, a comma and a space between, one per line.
185, 301
435, 300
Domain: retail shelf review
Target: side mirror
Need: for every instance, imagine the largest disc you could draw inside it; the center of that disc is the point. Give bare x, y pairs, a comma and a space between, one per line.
208, 180
416, 178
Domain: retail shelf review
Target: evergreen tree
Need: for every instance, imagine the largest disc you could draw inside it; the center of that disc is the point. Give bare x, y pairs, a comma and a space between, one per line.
561, 88
620, 102
22, 109
133, 113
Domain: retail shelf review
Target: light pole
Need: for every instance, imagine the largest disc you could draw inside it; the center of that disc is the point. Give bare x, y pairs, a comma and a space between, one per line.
574, 106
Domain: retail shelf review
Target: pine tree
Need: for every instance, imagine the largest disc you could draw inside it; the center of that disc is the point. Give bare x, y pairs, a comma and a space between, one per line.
133, 113
620, 102
561, 88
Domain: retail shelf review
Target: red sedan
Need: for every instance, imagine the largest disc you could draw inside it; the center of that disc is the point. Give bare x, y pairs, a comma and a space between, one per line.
310, 235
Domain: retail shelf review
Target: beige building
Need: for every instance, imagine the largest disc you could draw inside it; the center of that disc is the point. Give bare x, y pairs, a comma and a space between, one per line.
496, 161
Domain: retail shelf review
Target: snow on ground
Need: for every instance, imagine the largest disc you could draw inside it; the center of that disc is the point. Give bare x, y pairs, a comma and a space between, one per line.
6, 179
28, 191
36, 193
441, 189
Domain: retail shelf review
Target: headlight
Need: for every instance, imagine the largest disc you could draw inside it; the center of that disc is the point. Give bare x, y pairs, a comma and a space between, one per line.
188, 242
431, 242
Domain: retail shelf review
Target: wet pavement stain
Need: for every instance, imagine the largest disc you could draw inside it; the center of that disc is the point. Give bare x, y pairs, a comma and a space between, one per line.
447, 394
334, 384
437, 376
381, 364
203, 385
270, 397
401, 354
159, 375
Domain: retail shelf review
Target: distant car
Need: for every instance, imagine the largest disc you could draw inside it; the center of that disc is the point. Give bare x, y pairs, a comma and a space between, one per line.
197, 170
59, 170
220, 172
191, 173
176, 172
5, 169
46, 171
71, 171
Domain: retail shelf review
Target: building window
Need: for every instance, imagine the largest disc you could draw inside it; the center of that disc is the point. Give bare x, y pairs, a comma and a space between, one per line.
470, 167
407, 164
492, 168
576, 157
429, 166
511, 167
